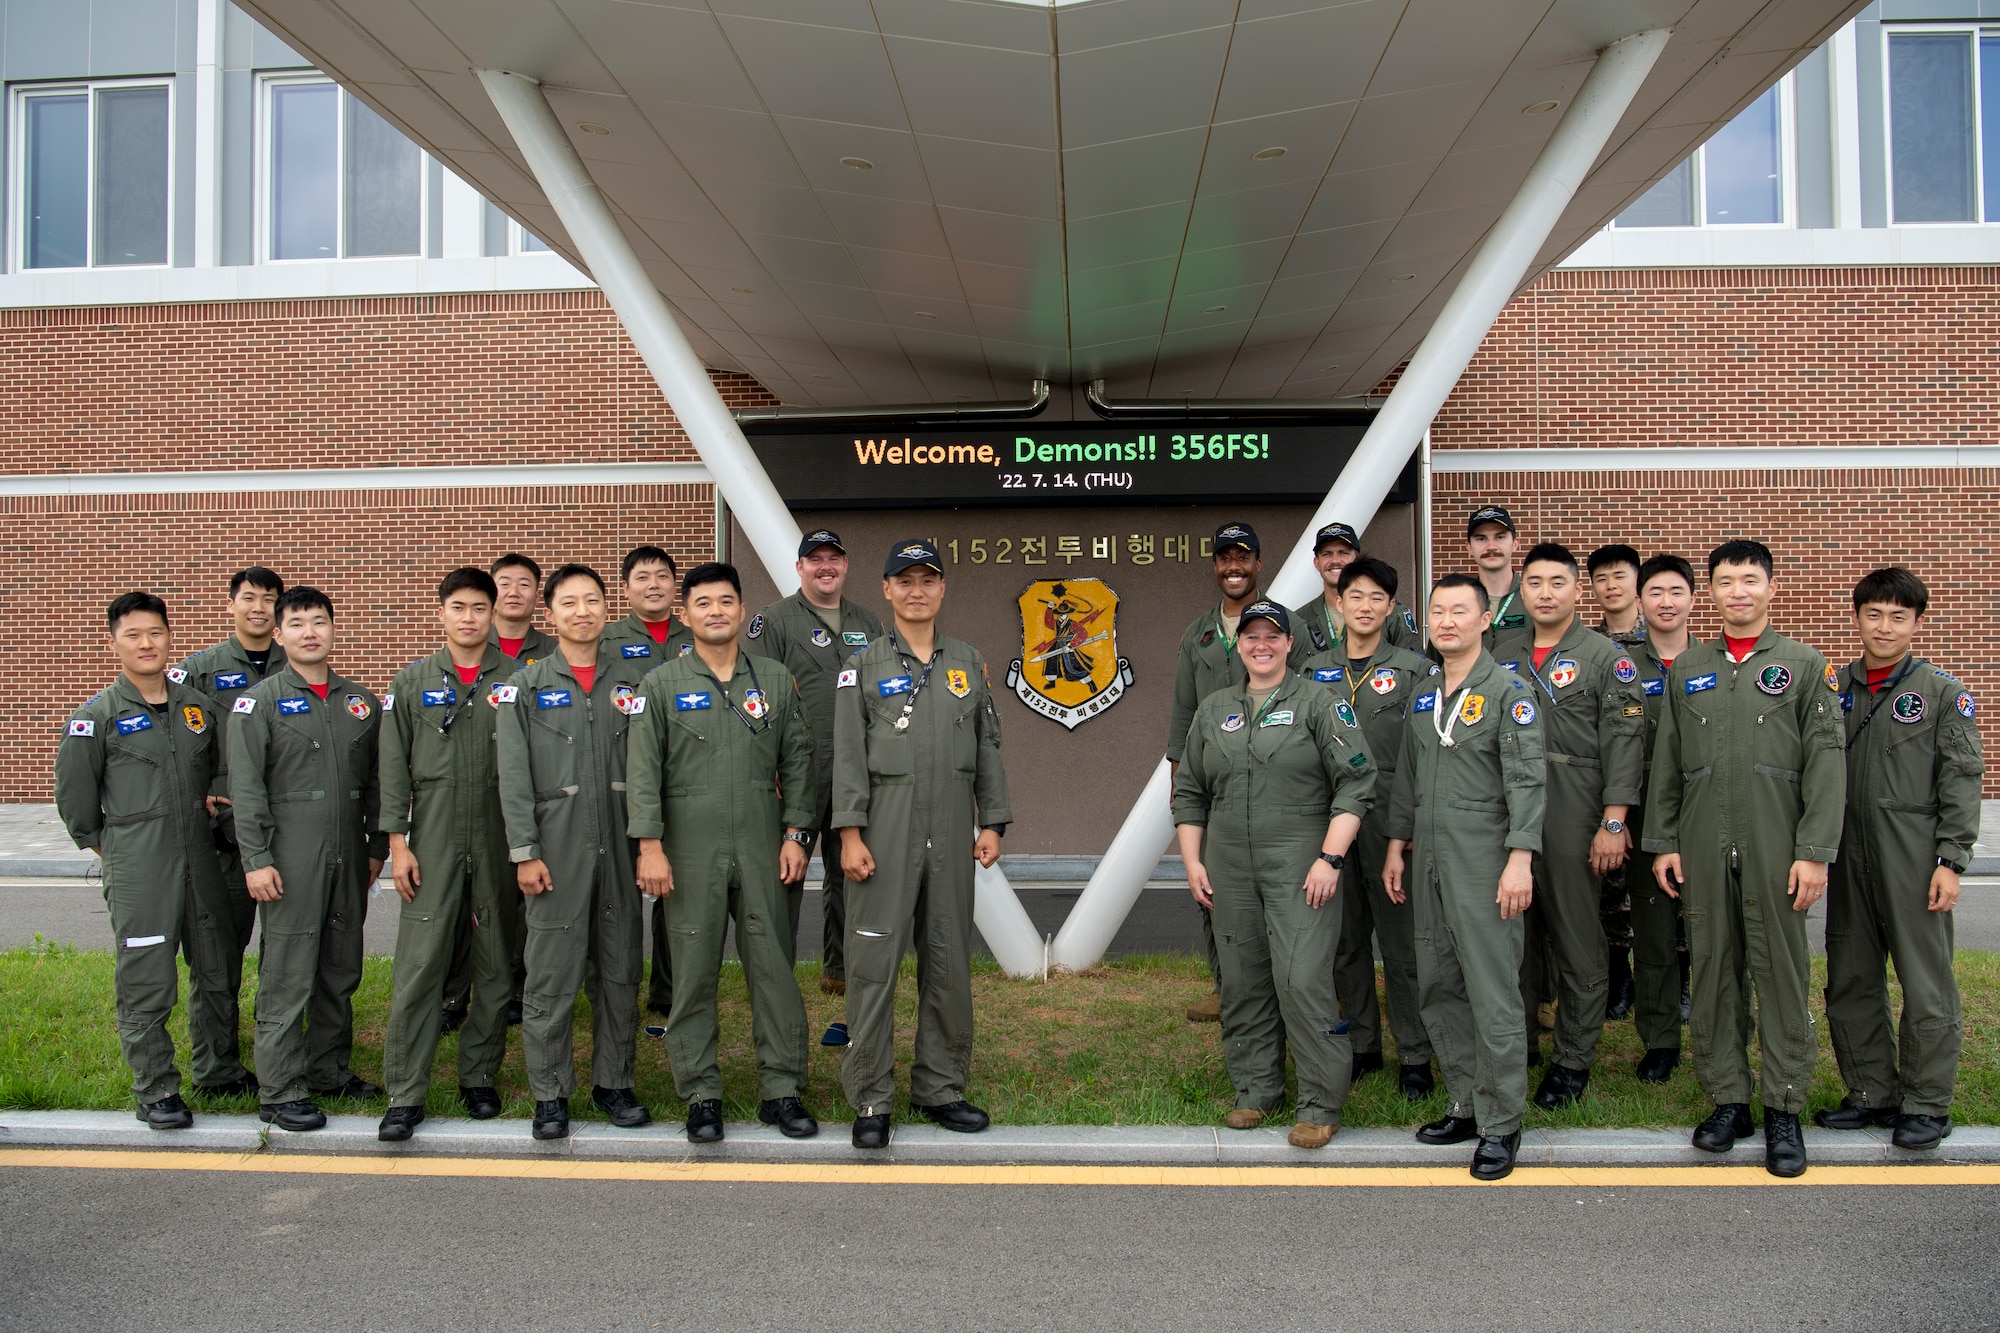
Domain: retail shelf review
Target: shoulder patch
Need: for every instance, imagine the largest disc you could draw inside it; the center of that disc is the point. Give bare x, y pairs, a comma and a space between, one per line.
389, 702
1832, 680
1625, 671
244, 704
1344, 712
1524, 711
756, 626
81, 726
1964, 704
503, 694
177, 675
847, 679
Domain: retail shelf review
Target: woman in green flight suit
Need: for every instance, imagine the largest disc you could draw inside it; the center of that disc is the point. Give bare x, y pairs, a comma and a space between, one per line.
1269, 797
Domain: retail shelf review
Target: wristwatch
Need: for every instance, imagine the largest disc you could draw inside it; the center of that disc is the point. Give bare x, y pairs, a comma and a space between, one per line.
1614, 826
1335, 861
1952, 866
801, 837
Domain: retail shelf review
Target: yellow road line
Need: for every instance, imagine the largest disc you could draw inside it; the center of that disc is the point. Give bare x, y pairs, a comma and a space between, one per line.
890, 1173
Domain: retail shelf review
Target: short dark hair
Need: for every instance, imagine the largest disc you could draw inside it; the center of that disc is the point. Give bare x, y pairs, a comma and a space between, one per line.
1553, 553
1740, 552
1617, 553
564, 573
1368, 567
513, 560
257, 577
645, 555
1464, 581
303, 599
130, 604
467, 577
1894, 586
1666, 564
712, 572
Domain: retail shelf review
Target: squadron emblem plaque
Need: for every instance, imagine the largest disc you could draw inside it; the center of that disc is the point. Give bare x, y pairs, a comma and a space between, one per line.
1069, 669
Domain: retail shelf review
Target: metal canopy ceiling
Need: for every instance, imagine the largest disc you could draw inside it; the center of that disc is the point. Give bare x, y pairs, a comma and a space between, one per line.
874, 201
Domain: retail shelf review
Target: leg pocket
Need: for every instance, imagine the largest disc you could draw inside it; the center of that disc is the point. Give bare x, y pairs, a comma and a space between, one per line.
874, 952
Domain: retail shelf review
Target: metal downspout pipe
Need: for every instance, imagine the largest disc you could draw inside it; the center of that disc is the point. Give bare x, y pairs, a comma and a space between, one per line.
1489, 283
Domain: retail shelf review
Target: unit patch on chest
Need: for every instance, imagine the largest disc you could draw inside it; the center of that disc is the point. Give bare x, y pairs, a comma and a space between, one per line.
820, 638
195, 718
1775, 679
755, 705
1472, 708
1907, 707
1562, 673
1382, 680
358, 706
1234, 722
1625, 671
958, 682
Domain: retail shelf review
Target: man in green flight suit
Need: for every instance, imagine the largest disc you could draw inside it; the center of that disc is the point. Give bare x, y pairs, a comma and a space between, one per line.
563, 726
1613, 570
720, 795
1915, 768
917, 774
1377, 681
1320, 622
1469, 792
1594, 737
1490, 535
222, 673
813, 632
133, 772
1208, 662
303, 768
1744, 813
650, 635
447, 857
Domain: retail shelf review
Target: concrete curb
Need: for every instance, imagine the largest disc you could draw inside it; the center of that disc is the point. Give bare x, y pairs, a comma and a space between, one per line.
1164, 1145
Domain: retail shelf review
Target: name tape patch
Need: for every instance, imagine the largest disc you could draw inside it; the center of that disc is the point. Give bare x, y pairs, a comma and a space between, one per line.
232, 680
684, 703
295, 706
552, 699
137, 722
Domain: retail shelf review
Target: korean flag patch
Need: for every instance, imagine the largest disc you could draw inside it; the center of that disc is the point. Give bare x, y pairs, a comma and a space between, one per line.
389, 702
756, 626
1524, 712
503, 694
1234, 722
177, 676
244, 704
1625, 671
82, 726
847, 679
636, 649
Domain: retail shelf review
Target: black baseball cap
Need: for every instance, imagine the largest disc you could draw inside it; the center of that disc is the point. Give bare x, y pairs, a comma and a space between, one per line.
911, 554
1236, 534
1336, 532
1490, 514
819, 537
1266, 610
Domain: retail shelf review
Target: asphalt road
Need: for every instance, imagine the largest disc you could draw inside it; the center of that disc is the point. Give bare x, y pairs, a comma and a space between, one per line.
1164, 921
112, 1249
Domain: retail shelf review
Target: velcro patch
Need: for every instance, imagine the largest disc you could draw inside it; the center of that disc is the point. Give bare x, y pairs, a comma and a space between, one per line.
1382, 680
82, 726
756, 626
893, 685
1282, 718
854, 638
1654, 687
1345, 712
686, 702
1775, 679
1524, 711
1696, 684
137, 722
389, 702
1234, 722
1964, 705
244, 704
503, 694
1907, 707
1326, 674
636, 649
1425, 703
847, 679
552, 699
177, 675
300, 705
1633, 710
232, 680
440, 698
1625, 671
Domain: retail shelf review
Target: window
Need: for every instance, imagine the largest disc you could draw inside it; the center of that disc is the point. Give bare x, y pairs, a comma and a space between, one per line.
1944, 125
1736, 179
504, 236
341, 182
91, 181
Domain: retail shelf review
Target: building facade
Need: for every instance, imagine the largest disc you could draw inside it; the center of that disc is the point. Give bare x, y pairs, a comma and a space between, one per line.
243, 320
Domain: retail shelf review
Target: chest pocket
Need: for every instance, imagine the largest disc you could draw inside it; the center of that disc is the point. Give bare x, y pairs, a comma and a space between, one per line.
965, 738
888, 748
135, 784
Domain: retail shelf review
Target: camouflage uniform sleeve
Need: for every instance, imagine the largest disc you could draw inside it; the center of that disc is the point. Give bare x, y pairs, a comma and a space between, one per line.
646, 760
1343, 752
249, 736
989, 785
1524, 772
850, 751
1191, 794
1621, 733
1822, 768
80, 781
795, 764
517, 774
397, 741
1961, 774
1661, 830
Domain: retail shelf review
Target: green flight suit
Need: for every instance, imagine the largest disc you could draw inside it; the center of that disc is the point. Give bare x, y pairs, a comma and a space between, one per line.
1594, 738
1749, 777
1318, 628
1207, 662
920, 795
131, 781
1657, 945
1263, 783
789, 630
440, 789
1509, 613
535, 645
214, 1017
303, 773
630, 638
562, 791
1915, 768
1464, 808
706, 764
1614, 901
1379, 691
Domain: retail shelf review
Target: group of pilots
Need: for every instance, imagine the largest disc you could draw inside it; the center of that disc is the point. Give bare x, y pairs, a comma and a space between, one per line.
1516, 817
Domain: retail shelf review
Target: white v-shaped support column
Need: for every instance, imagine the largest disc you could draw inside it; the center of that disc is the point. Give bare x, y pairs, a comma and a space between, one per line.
1490, 281
608, 254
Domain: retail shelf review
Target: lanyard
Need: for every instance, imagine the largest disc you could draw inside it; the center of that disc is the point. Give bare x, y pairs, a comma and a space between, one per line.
1442, 727
1881, 692
916, 687
451, 713
754, 729
1228, 639
1501, 614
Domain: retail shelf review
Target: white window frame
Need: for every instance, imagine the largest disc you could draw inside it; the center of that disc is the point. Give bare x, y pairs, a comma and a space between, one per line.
1973, 30
1788, 184
266, 176
17, 177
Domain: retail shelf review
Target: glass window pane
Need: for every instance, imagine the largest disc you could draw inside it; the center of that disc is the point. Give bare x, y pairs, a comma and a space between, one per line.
1741, 167
58, 152
1668, 204
1930, 126
130, 224
1989, 121
531, 242
304, 185
384, 186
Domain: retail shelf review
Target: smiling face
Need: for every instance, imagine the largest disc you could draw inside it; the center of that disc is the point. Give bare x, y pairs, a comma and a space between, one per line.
823, 575
1550, 589
306, 635
1331, 558
576, 606
1616, 587
1364, 606
1887, 631
1263, 648
1236, 572
1666, 602
914, 594
251, 609
142, 643
714, 612
649, 590
1743, 594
